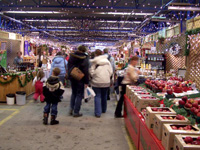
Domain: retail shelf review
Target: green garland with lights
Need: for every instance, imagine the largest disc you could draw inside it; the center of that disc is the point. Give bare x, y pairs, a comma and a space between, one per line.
28, 77
10, 81
187, 45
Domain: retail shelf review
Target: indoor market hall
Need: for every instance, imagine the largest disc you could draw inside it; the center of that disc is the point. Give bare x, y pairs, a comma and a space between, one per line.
99, 74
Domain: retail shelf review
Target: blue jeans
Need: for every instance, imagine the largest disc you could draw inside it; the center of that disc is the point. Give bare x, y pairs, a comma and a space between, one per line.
100, 100
52, 107
62, 79
77, 96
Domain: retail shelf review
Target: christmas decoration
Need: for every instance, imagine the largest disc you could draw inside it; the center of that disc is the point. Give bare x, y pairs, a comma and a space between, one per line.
174, 49
188, 39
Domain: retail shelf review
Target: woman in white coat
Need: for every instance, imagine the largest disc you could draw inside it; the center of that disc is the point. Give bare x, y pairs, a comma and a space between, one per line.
101, 77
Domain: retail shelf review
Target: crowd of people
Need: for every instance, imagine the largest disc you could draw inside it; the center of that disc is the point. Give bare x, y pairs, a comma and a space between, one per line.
96, 71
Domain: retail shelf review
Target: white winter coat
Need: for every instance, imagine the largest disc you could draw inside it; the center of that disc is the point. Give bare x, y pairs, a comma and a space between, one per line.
100, 72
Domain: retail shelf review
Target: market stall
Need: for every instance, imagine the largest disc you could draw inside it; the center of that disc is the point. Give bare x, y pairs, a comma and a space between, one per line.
13, 82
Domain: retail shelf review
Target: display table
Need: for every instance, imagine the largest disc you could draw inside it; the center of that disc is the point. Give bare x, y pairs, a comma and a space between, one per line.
15, 86
142, 137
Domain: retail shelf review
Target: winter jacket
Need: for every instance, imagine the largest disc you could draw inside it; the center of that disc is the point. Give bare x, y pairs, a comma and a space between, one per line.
59, 61
53, 90
101, 72
80, 60
131, 76
112, 61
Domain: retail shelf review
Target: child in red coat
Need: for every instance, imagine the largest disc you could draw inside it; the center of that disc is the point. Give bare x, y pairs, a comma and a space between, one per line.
38, 82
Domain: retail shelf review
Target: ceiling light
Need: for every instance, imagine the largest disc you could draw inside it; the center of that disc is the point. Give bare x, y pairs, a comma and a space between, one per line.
51, 20
32, 12
110, 21
124, 13
183, 8
115, 28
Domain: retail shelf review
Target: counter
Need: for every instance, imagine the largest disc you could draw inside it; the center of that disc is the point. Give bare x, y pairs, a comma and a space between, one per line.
15, 85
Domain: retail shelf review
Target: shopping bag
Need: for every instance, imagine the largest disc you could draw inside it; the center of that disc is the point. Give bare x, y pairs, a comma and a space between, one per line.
89, 93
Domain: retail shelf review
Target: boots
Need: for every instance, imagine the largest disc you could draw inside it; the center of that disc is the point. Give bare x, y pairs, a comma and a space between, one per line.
54, 121
45, 120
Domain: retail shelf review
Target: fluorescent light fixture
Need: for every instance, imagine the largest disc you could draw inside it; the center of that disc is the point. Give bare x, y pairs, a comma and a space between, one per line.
115, 28
32, 12
58, 27
183, 8
158, 17
110, 21
125, 13
51, 20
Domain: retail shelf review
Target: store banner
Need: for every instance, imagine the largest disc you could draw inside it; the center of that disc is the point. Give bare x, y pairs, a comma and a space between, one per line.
26, 50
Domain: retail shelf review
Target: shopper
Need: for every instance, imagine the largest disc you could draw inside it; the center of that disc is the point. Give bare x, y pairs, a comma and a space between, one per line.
60, 62
137, 54
112, 61
101, 75
130, 77
80, 60
53, 90
39, 82
18, 60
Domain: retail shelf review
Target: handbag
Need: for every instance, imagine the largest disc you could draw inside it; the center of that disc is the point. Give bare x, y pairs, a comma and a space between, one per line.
76, 73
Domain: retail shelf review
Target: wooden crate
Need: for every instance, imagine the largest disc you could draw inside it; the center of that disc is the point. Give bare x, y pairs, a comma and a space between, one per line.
168, 134
159, 122
179, 143
150, 115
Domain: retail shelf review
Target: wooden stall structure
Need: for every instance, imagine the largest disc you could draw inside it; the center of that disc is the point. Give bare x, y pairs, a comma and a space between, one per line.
193, 59
14, 86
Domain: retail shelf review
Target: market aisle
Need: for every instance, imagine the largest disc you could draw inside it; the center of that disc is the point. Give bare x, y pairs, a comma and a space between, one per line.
25, 131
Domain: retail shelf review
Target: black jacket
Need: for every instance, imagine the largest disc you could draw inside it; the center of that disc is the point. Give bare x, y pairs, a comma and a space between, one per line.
53, 90
80, 60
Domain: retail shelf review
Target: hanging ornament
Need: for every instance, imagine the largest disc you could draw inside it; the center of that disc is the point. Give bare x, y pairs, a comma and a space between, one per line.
174, 49
5, 77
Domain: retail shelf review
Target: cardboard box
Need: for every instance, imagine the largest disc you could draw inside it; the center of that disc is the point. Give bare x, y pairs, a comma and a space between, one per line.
150, 115
139, 94
179, 143
130, 88
134, 95
142, 102
168, 134
159, 121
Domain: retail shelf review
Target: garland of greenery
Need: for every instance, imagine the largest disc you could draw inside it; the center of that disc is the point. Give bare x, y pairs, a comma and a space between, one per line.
28, 78
169, 103
187, 45
7, 82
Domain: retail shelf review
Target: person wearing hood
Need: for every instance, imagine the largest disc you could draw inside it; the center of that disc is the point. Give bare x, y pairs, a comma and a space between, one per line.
101, 76
60, 62
80, 60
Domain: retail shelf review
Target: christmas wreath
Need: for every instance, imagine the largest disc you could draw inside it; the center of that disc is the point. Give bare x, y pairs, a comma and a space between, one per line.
174, 49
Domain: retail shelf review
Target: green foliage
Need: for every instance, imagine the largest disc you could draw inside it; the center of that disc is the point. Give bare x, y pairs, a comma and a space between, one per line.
187, 45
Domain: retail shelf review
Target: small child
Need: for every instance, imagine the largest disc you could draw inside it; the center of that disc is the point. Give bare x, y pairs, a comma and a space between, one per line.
52, 91
38, 82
